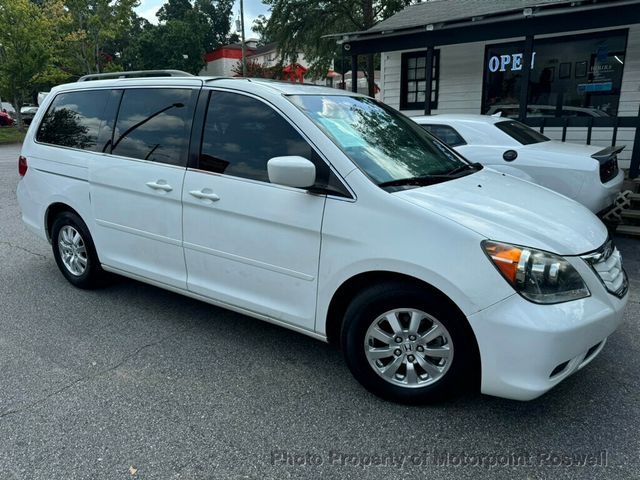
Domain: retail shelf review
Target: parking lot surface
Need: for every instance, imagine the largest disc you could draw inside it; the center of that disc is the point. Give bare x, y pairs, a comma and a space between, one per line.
132, 381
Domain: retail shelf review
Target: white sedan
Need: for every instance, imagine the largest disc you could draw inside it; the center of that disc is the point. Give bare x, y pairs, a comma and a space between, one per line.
585, 173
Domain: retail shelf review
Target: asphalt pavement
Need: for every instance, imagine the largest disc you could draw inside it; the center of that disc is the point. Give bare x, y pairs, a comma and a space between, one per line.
132, 381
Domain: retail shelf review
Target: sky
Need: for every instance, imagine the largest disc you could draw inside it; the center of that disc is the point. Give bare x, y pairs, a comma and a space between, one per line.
252, 8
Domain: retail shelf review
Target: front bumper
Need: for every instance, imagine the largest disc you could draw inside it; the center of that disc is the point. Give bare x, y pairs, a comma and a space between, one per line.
527, 349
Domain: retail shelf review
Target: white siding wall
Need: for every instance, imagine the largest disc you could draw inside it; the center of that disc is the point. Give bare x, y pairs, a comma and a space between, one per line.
460, 79
271, 58
219, 67
461, 76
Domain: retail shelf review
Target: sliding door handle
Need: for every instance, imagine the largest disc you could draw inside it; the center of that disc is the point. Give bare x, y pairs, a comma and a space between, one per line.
205, 194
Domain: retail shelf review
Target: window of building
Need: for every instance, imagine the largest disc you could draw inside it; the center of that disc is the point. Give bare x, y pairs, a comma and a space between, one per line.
154, 124
446, 134
74, 120
413, 80
241, 134
570, 76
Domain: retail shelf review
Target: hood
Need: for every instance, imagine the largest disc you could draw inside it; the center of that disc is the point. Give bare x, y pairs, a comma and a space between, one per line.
507, 209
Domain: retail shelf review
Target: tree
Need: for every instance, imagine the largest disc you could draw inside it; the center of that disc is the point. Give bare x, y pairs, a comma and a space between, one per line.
94, 25
260, 26
300, 25
25, 49
213, 15
259, 70
185, 32
175, 44
174, 10
217, 16
122, 47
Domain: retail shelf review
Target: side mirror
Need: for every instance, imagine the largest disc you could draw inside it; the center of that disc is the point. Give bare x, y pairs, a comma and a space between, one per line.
292, 171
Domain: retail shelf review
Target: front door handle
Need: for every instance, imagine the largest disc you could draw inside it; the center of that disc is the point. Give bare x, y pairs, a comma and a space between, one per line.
160, 185
205, 194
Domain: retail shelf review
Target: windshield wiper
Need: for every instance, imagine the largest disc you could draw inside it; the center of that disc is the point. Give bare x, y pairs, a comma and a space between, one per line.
425, 180
417, 181
465, 167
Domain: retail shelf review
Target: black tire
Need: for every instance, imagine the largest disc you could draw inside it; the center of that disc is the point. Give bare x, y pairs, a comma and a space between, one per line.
463, 369
93, 275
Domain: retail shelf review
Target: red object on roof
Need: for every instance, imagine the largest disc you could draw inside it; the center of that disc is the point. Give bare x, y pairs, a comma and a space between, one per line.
233, 51
294, 72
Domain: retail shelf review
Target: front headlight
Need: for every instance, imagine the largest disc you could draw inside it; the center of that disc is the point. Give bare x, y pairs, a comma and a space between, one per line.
538, 276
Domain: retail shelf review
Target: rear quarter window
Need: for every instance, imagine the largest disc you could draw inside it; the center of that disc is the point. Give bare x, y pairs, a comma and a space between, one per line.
74, 120
521, 133
446, 134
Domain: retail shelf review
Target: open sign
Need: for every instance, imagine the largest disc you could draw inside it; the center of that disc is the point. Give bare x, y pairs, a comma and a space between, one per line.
512, 63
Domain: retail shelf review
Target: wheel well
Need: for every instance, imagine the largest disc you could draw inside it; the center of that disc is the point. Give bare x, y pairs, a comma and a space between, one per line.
349, 289
53, 211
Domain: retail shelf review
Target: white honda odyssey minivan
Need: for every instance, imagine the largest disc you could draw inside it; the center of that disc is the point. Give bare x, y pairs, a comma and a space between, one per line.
328, 213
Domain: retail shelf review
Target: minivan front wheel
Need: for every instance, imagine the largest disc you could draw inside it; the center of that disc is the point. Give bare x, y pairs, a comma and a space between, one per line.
75, 253
405, 344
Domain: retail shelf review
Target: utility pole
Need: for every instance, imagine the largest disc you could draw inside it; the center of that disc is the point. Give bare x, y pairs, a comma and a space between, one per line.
244, 58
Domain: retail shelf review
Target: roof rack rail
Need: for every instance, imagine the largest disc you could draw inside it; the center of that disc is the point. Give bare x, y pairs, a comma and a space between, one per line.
134, 74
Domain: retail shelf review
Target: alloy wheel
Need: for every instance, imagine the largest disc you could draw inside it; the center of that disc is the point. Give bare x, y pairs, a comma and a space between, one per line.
73, 250
408, 348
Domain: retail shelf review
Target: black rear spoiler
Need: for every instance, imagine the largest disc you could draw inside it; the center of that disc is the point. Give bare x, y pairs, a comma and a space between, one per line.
605, 155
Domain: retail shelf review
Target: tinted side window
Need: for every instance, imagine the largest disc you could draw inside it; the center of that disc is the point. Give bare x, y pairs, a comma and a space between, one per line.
105, 137
242, 134
446, 134
154, 124
74, 119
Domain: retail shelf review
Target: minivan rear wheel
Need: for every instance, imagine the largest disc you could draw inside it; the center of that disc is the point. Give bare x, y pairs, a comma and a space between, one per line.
405, 344
75, 253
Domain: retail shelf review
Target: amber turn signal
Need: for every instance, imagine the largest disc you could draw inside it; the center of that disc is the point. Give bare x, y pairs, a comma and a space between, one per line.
506, 258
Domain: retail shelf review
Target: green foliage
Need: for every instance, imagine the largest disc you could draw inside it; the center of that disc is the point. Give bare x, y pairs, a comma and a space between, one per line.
300, 25
113, 67
47, 42
212, 15
11, 135
260, 26
166, 46
259, 70
216, 14
174, 10
25, 49
185, 29
91, 26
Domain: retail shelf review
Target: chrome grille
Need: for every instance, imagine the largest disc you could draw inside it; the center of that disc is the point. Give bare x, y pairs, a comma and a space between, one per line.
607, 263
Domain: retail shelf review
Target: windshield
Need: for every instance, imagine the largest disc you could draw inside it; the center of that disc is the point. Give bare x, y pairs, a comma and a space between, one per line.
521, 133
386, 145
